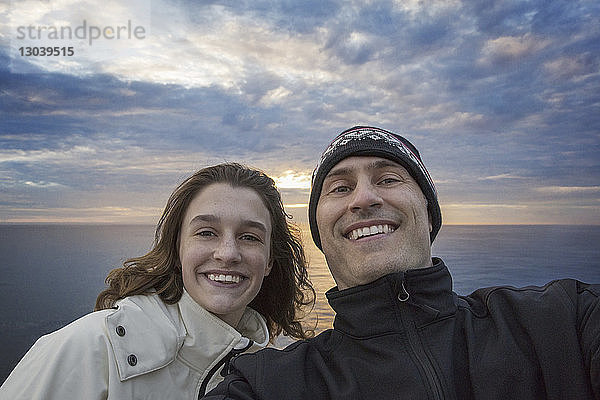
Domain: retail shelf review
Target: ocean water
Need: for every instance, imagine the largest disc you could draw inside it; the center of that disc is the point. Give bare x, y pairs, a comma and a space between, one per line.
51, 274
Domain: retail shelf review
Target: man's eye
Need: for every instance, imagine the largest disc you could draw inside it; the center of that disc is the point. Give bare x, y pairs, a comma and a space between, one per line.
340, 189
388, 181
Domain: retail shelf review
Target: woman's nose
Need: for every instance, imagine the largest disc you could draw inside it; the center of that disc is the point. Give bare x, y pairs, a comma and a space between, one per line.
227, 251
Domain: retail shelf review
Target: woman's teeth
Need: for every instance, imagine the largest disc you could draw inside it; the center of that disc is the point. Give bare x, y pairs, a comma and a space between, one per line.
224, 278
369, 231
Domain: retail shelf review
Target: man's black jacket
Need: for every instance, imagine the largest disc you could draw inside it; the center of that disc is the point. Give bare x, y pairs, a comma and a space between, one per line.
408, 336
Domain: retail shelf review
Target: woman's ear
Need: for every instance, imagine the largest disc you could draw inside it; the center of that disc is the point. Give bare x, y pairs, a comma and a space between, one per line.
269, 267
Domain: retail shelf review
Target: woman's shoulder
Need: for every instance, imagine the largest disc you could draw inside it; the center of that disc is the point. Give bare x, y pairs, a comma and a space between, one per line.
138, 312
81, 332
70, 356
138, 328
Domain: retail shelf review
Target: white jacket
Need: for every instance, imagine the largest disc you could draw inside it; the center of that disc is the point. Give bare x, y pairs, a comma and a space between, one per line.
143, 349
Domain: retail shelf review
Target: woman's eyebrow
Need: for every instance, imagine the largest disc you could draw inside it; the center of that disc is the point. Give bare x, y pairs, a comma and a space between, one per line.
255, 224
212, 218
203, 218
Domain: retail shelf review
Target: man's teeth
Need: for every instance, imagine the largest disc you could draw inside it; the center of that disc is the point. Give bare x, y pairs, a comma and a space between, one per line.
370, 230
224, 278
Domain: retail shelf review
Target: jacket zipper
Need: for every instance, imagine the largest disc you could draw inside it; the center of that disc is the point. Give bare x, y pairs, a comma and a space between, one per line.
223, 362
417, 348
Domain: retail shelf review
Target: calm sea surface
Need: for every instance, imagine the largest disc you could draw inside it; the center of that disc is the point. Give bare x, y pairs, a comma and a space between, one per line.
51, 274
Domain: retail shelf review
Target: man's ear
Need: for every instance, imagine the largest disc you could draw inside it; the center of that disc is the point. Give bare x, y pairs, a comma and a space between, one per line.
429, 219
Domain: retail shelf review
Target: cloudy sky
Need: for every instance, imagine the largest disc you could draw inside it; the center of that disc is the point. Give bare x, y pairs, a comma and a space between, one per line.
501, 97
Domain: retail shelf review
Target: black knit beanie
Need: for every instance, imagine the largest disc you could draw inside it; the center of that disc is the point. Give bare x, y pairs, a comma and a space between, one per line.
371, 141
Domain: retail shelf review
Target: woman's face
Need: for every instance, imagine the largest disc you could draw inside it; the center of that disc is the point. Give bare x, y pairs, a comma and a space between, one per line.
224, 249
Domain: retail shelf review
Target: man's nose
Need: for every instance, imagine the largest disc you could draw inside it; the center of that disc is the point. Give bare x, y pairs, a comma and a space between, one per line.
227, 251
364, 197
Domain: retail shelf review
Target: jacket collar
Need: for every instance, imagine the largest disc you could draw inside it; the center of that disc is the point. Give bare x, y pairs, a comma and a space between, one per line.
372, 309
145, 334
208, 338
156, 333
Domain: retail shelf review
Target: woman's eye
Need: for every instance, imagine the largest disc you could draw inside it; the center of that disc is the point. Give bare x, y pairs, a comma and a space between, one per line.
205, 233
251, 238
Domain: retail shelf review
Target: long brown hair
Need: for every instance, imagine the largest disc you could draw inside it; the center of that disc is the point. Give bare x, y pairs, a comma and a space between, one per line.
284, 292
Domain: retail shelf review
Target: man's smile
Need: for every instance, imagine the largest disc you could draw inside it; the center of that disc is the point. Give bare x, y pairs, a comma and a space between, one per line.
371, 230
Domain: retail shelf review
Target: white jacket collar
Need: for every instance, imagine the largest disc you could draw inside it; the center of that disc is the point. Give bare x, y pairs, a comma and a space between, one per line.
144, 333
208, 338
154, 333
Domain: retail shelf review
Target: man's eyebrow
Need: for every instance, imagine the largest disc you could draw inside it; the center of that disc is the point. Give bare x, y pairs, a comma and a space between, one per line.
338, 172
377, 164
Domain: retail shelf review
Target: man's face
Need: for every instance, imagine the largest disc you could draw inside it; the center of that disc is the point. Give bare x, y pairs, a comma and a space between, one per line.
373, 220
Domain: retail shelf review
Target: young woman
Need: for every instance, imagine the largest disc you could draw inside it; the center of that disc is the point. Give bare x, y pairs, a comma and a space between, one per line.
226, 275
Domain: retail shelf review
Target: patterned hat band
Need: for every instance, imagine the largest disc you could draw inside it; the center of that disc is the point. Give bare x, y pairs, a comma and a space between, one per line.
371, 141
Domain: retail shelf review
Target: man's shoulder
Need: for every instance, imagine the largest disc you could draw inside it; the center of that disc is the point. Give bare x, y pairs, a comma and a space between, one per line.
284, 370
566, 292
321, 345
558, 287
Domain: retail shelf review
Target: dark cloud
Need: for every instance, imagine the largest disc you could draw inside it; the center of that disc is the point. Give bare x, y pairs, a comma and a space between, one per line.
155, 116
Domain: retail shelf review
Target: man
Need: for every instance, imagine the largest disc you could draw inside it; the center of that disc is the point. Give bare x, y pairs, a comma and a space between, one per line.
399, 331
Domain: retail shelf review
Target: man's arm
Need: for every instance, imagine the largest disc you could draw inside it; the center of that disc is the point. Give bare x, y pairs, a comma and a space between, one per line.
234, 387
588, 318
